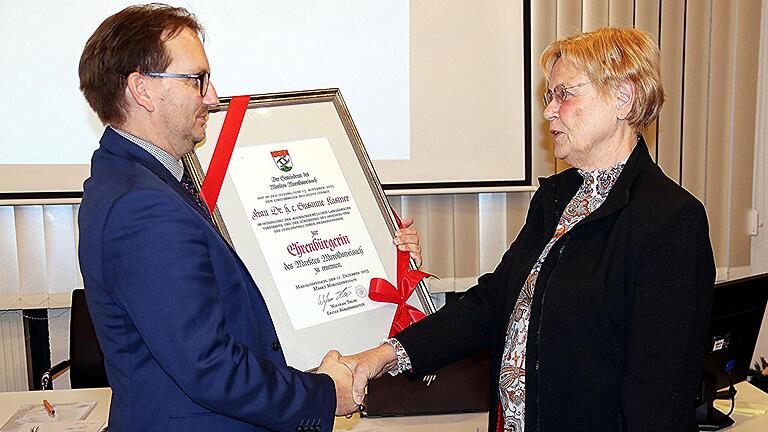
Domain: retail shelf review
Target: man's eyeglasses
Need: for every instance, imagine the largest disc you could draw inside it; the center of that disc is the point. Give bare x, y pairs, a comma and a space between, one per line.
560, 93
203, 78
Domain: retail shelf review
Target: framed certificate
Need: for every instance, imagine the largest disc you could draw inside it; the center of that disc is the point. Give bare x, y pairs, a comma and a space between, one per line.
303, 208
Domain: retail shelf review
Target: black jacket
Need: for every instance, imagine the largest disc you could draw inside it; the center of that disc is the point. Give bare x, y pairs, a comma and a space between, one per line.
620, 313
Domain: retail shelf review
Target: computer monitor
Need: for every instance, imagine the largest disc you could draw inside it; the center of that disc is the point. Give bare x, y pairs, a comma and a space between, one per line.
737, 314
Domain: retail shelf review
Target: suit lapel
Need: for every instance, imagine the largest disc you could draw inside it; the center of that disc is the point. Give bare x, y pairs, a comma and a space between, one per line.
112, 142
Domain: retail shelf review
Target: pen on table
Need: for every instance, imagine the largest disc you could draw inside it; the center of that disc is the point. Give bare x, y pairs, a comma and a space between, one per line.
49, 408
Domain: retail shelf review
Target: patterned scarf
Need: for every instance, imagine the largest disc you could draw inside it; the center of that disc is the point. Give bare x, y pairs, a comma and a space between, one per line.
591, 195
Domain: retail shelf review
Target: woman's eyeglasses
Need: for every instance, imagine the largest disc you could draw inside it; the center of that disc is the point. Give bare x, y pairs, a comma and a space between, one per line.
560, 93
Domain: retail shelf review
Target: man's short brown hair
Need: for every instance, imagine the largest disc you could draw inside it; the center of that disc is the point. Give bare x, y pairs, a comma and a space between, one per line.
132, 40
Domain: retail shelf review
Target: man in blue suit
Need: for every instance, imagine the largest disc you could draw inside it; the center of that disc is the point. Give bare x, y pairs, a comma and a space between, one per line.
187, 338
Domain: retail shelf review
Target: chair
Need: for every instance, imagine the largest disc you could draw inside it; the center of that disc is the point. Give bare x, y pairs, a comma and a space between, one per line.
86, 361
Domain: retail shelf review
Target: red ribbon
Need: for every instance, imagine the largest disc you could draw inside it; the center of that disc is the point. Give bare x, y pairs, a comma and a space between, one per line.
382, 291
209, 192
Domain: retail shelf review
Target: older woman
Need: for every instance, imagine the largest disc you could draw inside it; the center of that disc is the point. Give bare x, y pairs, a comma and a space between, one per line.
597, 315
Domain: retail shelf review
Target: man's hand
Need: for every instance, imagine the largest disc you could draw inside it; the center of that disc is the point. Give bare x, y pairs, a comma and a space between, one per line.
369, 365
342, 380
407, 240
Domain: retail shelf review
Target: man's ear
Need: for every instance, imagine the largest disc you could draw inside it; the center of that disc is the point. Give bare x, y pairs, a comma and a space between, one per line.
625, 99
137, 89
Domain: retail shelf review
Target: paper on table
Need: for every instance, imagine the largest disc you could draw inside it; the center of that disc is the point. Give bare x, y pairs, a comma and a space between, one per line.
359, 428
743, 408
35, 413
65, 426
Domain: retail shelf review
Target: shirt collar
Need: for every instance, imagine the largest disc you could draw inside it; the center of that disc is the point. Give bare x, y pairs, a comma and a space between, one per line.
176, 167
599, 182
597, 172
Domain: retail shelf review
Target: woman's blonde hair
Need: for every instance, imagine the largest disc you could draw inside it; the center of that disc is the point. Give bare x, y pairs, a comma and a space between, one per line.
610, 56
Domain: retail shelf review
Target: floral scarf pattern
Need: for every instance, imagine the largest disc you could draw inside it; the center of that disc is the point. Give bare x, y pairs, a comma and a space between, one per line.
591, 195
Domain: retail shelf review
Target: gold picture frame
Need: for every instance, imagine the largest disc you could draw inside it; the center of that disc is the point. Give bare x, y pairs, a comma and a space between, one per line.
292, 117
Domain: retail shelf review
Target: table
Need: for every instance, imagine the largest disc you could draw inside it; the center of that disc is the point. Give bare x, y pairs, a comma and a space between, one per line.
747, 395
471, 422
11, 401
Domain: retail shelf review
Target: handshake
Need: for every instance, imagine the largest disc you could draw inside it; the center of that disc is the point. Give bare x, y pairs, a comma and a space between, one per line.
350, 374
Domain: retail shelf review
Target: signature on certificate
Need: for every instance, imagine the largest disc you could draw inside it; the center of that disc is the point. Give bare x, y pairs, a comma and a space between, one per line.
324, 298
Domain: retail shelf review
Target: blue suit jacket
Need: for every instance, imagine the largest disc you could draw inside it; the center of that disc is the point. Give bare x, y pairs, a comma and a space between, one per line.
187, 338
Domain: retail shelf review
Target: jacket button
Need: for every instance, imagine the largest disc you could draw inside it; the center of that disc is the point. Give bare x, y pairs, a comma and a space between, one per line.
276, 346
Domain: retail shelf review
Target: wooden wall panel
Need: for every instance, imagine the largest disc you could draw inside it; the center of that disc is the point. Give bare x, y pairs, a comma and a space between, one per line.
671, 42
76, 232
493, 230
441, 230
744, 105
417, 206
9, 259
31, 248
595, 14
647, 14
695, 98
13, 359
517, 209
569, 19
719, 127
466, 239
396, 202
543, 31
58, 334
60, 253
621, 13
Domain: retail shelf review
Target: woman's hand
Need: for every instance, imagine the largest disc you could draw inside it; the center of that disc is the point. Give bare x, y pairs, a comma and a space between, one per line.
407, 240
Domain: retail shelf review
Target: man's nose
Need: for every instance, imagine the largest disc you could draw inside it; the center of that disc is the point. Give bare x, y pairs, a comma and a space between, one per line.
211, 97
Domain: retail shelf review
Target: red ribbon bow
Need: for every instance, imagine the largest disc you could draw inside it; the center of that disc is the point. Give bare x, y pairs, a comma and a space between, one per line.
382, 291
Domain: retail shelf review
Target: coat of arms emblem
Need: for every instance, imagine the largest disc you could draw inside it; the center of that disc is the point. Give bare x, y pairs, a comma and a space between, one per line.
282, 160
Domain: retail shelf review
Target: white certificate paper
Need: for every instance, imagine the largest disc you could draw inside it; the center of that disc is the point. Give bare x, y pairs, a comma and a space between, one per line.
308, 227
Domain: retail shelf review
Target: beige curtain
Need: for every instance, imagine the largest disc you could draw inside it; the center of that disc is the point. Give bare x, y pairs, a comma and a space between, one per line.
38, 269
38, 256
